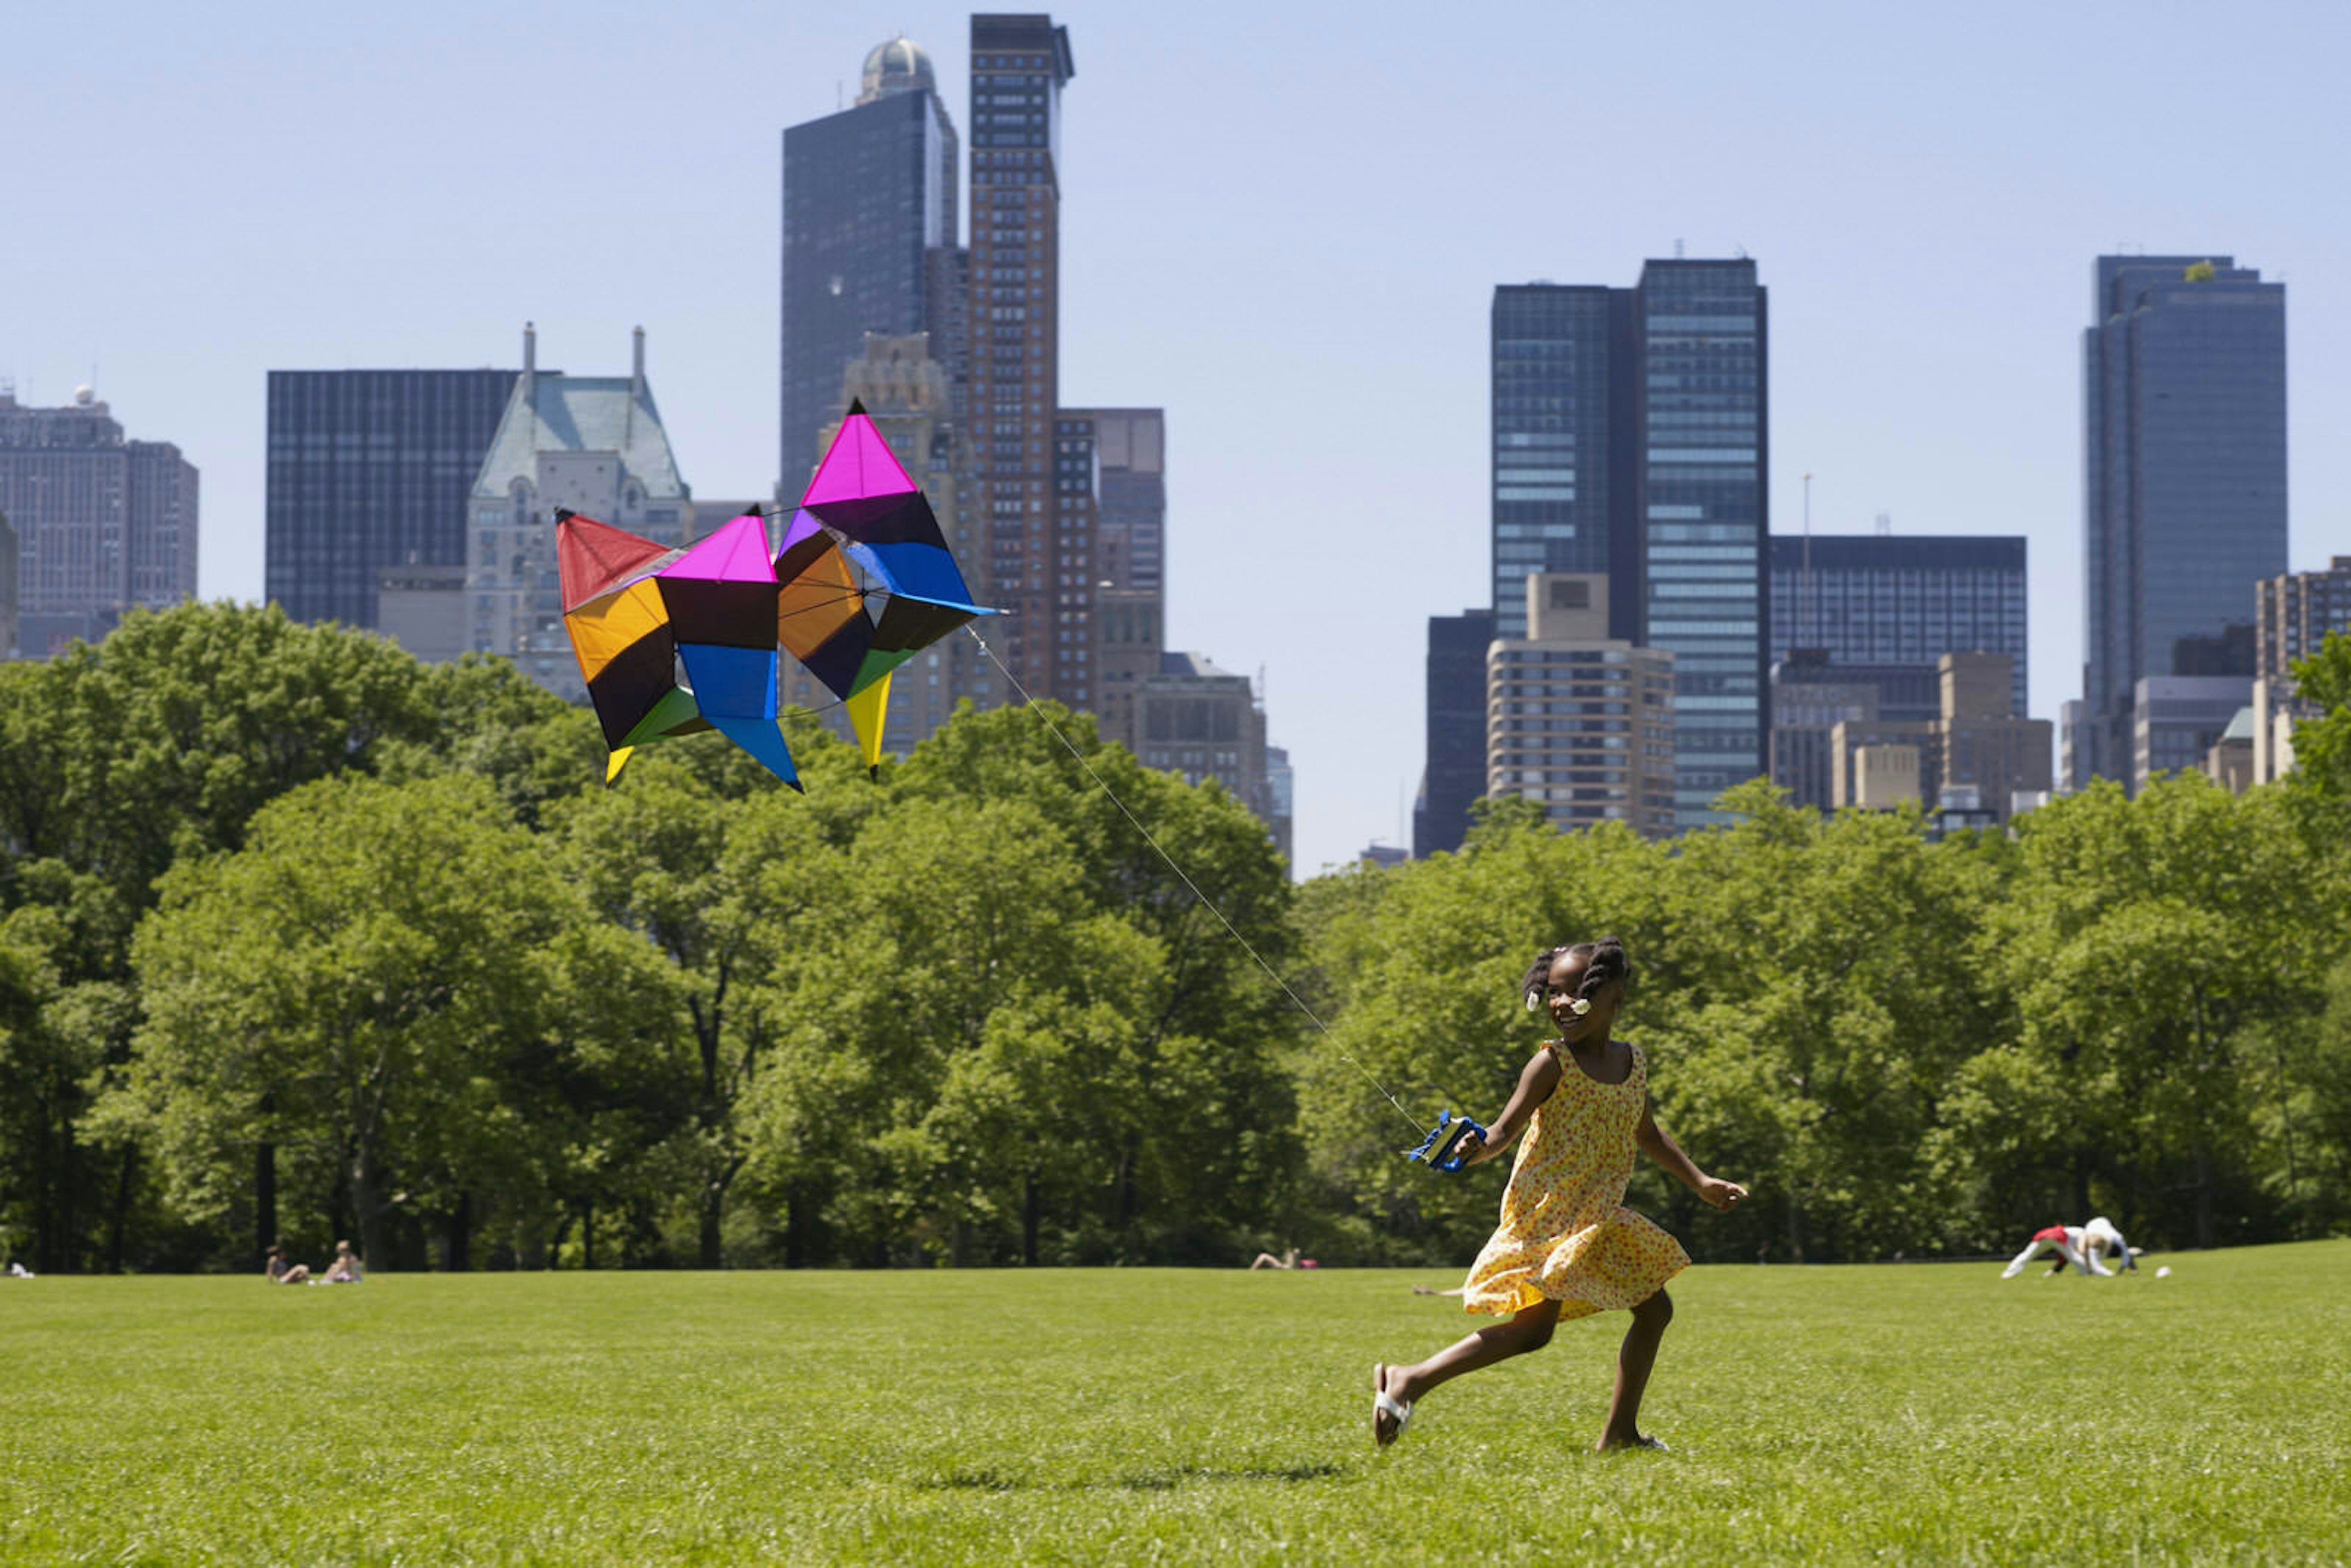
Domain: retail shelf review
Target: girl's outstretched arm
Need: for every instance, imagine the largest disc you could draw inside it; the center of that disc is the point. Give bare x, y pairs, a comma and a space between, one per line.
1536, 1081
1659, 1146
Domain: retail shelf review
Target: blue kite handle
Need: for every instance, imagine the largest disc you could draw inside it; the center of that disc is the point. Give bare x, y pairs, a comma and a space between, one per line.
1444, 1149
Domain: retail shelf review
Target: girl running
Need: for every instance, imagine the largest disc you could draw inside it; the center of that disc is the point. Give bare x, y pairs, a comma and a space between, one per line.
1567, 1246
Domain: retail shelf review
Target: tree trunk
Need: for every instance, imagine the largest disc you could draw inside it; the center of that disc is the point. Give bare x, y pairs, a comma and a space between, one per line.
120, 1219
1128, 1156
2285, 1126
588, 1236
56, 1245
712, 1251
2204, 1222
1795, 1229
1028, 1210
365, 1205
799, 1221
461, 1234
265, 1200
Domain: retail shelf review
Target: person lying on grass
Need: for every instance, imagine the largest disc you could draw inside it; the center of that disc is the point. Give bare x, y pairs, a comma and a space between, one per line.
1567, 1246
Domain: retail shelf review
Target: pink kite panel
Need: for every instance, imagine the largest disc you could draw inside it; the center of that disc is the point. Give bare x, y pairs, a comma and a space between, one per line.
736, 553
859, 463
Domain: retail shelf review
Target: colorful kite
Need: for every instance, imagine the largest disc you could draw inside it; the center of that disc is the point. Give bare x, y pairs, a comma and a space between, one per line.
672, 641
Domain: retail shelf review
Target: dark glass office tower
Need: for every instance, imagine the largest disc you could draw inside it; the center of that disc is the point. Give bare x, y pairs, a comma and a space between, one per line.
1563, 362
869, 193
2184, 471
1039, 564
1705, 472
1871, 600
369, 469
1453, 776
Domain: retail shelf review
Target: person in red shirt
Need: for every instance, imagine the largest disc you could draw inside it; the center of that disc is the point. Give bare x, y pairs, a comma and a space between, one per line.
2065, 1240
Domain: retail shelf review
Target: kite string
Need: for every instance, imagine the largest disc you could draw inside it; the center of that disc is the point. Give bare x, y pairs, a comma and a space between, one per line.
1112, 795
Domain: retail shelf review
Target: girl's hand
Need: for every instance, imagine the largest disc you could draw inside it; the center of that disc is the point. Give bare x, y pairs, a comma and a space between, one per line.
1721, 1193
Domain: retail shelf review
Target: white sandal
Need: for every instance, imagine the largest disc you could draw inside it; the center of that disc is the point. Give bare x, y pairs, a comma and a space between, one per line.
1386, 1404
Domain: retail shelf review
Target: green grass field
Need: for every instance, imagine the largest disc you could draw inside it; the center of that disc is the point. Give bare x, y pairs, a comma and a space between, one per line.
1921, 1413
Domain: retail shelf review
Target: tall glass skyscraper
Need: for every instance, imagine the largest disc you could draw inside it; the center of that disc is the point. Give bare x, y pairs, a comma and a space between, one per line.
869, 193
1631, 432
2184, 472
369, 469
1555, 349
1705, 468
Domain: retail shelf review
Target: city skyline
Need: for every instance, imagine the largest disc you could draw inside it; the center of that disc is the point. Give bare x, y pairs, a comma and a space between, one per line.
1925, 276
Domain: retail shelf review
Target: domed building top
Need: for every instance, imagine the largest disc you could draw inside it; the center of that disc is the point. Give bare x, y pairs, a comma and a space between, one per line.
896, 67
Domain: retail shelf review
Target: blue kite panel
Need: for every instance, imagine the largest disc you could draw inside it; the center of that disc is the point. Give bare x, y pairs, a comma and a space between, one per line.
762, 739
733, 683
917, 570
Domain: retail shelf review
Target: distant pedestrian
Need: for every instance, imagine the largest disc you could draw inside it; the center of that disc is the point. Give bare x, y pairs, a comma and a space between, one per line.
1567, 1247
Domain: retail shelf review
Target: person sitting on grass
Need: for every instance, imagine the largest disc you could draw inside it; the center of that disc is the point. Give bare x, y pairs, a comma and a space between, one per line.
345, 1269
1567, 1247
281, 1272
1288, 1260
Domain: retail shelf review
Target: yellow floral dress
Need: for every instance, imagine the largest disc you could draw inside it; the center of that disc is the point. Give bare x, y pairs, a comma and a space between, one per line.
1566, 1235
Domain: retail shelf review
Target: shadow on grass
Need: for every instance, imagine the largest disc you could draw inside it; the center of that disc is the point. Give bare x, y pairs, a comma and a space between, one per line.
1141, 1480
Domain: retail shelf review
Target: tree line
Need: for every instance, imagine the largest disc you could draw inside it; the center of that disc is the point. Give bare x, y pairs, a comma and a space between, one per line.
299, 938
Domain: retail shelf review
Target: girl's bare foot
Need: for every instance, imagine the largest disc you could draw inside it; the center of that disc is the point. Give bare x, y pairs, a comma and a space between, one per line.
1386, 1427
1614, 1442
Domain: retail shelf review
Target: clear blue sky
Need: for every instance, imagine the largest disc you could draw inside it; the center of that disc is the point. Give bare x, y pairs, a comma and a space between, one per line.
1282, 223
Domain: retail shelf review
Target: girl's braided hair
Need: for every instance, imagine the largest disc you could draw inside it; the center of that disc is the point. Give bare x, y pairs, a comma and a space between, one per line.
1604, 961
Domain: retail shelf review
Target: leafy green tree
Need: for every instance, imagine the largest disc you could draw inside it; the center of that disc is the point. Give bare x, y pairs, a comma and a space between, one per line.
492, 720
2322, 746
115, 761
2148, 943
957, 1049
1821, 985
356, 988
694, 853
1213, 1157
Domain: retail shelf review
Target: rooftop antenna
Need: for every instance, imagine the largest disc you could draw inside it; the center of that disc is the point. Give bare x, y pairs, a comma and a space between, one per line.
1885, 525
840, 94
1677, 248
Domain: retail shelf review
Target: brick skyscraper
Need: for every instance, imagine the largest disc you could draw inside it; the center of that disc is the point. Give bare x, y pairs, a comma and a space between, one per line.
1039, 565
